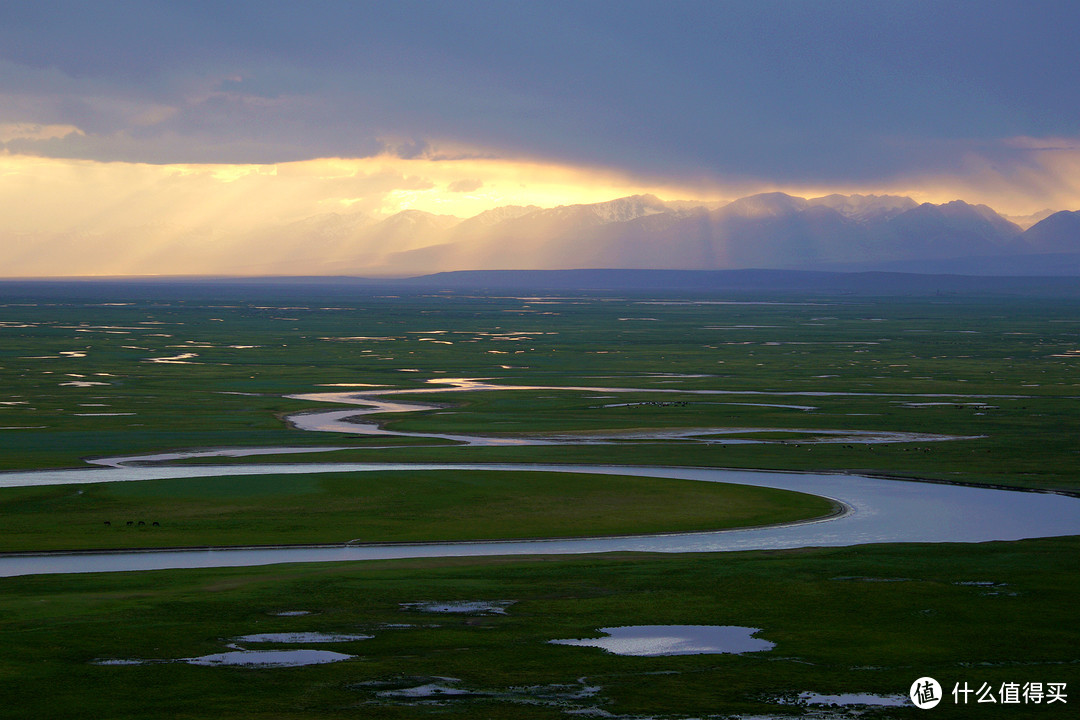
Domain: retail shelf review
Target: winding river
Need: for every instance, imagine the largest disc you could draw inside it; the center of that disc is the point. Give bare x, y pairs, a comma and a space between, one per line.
347, 421
875, 510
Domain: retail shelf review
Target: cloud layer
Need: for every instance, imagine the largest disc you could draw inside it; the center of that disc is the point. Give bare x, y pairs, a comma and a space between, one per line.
788, 92
202, 118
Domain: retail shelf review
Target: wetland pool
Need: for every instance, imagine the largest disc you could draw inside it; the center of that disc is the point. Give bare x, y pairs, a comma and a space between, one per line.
657, 640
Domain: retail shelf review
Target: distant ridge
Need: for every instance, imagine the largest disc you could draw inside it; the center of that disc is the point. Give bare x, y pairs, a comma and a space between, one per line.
768, 230
714, 283
770, 281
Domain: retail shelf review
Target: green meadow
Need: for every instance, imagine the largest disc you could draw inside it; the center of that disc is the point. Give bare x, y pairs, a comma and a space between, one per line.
860, 620
989, 385
374, 507
1001, 370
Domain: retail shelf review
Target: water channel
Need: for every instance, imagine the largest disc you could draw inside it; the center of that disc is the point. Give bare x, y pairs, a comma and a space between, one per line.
875, 510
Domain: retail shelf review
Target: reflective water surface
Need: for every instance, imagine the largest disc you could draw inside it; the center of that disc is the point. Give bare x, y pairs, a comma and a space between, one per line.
654, 640
875, 510
879, 511
288, 638
270, 658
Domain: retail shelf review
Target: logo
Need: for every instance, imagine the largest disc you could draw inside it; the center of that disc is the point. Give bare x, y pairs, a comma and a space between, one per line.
925, 693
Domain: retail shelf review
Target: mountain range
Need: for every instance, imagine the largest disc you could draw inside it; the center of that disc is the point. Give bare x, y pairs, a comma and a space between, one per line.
772, 231
769, 230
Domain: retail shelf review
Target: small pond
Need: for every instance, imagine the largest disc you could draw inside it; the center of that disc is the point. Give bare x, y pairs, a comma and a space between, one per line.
655, 640
270, 658
300, 637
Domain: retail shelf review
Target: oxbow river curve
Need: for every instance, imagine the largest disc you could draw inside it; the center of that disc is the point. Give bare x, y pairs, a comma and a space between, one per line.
874, 510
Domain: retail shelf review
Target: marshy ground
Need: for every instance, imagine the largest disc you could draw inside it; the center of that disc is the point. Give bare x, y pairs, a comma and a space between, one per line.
86, 379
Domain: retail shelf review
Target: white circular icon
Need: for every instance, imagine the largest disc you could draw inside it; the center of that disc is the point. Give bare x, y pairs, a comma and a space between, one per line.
925, 693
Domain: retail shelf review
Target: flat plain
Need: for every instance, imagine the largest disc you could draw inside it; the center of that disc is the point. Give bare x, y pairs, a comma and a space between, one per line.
972, 390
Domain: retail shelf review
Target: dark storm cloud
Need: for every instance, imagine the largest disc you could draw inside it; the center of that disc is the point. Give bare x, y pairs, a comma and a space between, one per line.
785, 91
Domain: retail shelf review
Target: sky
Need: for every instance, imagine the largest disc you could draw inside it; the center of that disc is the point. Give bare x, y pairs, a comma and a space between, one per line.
160, 114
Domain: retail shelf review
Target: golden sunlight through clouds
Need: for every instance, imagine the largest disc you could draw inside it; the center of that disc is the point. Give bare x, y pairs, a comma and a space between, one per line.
83, 217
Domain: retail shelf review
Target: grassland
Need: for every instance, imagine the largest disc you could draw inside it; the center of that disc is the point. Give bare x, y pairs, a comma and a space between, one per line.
1000, 371
380, 507
1003, 369
867, 619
